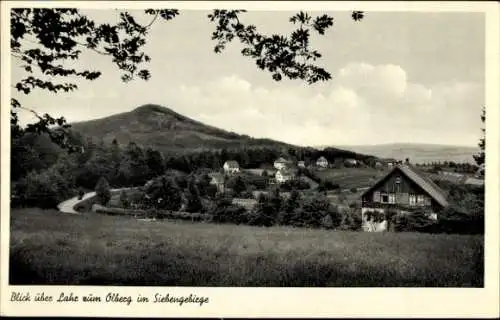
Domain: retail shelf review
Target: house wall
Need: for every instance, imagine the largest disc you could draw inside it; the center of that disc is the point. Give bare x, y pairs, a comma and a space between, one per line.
401, 191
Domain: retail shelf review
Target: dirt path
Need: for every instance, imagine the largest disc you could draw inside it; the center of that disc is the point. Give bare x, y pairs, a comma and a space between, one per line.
68, 206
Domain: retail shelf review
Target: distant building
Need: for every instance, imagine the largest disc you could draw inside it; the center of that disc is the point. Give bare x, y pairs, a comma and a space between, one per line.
285, 175
282, 163
322, 162
403, 189
301, 164
231, 166
261, 172
217, 179
350, 162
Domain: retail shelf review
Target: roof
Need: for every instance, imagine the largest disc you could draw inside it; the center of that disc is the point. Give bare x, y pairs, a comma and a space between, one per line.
288, 171
421, 180
321, 159
281, 159
232, 164
218, 177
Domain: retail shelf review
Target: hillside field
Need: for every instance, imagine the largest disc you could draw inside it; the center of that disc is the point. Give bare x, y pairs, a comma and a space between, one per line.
348, 178
49, 247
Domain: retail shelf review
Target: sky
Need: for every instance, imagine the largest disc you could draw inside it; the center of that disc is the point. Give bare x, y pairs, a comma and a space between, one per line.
400, 77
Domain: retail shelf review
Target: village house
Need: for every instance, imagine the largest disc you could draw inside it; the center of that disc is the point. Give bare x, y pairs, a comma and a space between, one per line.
217, 179
231, 166
301, 164
403, 189
350, 162
285, 175
322, 162
282, 163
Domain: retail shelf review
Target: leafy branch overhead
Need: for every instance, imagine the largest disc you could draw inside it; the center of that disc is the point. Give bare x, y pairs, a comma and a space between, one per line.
46, 42
289, 56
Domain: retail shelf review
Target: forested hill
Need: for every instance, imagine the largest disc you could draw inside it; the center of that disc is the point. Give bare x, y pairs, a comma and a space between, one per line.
167, 131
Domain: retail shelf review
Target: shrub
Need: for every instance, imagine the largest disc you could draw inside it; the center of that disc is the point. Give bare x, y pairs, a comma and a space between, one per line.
417, 221
45, 189
351, 219
327, 222
124, 201
225, 211
103, 191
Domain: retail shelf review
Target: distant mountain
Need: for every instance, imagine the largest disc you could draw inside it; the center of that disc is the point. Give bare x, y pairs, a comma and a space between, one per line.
166, 130
418, 153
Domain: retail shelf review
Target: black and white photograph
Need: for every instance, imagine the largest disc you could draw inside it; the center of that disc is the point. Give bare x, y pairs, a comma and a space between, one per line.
231, 147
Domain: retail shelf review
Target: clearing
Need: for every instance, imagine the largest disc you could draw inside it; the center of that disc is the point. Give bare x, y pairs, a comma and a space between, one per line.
51, 247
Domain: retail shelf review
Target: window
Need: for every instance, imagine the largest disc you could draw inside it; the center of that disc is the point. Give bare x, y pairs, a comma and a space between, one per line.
376, 196
397, 186
420, 200
413, 199
388, 198
385, 198
392, 198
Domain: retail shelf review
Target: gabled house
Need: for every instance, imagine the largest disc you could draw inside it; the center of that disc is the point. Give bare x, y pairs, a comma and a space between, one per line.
282, 163
231, 166
403, 190
285, 175
322, 162
217, 179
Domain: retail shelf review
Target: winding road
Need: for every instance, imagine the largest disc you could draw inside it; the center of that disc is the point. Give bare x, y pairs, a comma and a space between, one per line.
68, 206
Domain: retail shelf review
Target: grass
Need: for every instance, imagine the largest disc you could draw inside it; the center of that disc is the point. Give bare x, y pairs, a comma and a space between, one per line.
348, 178
49, 247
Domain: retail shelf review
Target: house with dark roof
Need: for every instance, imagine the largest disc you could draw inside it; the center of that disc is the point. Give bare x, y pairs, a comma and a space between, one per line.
404, 189
231, 166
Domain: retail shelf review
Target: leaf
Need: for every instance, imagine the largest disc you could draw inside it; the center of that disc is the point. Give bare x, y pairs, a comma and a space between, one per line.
357, 15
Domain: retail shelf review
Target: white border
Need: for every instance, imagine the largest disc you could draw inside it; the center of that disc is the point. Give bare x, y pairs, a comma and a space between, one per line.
283, 302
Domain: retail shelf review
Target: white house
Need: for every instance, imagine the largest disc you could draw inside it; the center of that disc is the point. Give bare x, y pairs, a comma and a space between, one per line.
231, 166
282, 163
217, 179
322, 162
285, 175
301, 164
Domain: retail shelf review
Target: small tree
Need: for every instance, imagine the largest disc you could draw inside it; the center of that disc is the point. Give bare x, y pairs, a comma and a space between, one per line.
479, 158
103, 191
193, 197
124, 199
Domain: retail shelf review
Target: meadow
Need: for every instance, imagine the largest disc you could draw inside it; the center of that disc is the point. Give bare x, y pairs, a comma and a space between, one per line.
348, 178
49, 247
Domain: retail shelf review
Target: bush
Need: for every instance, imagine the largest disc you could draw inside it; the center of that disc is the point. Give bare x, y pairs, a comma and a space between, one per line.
296, 184
103, 191
225, 211
124, 201
45, 189
417, 221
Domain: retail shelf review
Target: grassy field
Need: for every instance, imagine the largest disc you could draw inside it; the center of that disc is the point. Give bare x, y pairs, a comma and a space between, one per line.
351, 177
48, 247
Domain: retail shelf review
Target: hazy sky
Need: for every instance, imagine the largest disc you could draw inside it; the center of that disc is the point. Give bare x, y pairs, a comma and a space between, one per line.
397, 77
